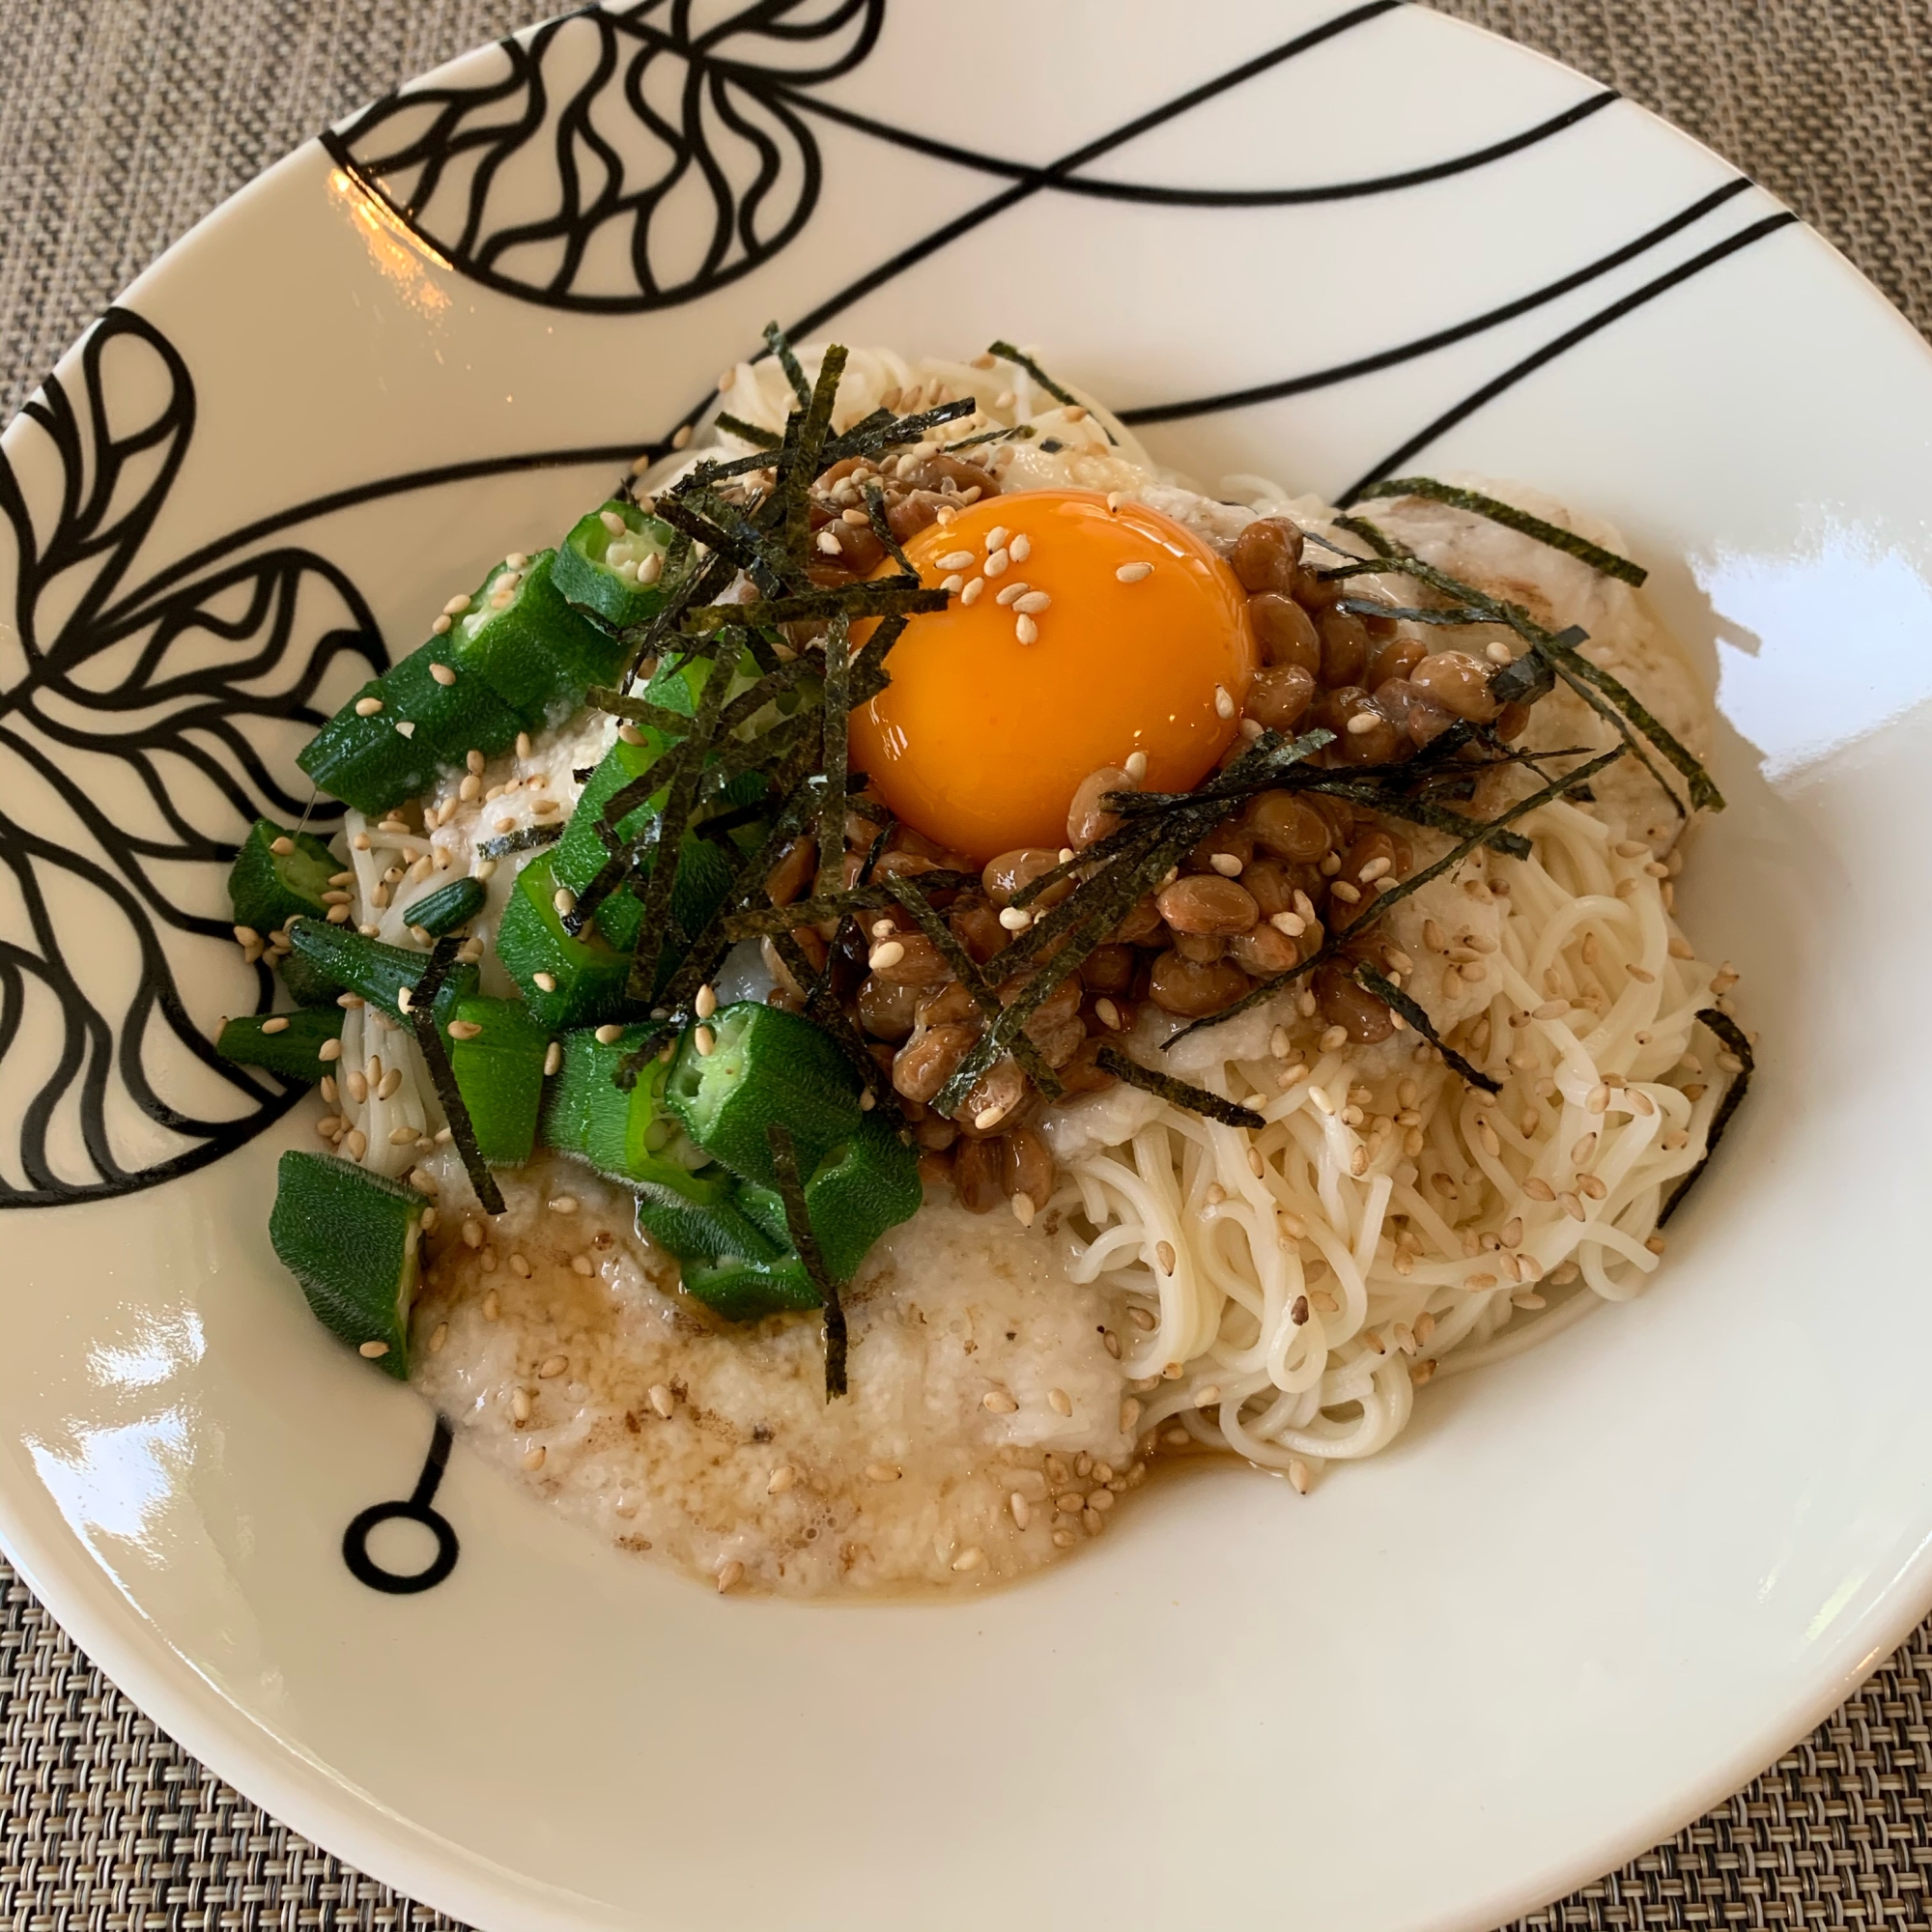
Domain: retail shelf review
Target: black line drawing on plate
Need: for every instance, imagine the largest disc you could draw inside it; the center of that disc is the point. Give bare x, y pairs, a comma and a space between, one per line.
560, 177
143, 723
416, 1509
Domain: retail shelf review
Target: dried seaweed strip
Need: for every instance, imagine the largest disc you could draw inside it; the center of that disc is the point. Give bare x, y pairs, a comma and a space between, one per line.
1703, 793
638, 711
798, 1224
868, 597
773, 685
655, 927
442, 1076
1177, 1093
804, 440
1376, 907
1397, 1000
887, 822
1423, 811
745, 432
1415, 614
673, 510
966, 970
821, 1005
875, 515
869, 675
1019, 433
779, 346
1734, 1037
1009, 354
836, 722
1605, 561
525, 838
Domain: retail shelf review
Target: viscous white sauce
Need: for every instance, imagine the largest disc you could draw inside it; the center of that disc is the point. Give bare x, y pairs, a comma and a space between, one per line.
625, 1404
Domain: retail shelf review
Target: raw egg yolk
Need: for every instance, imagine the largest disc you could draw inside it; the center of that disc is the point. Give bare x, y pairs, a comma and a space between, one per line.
1075, 636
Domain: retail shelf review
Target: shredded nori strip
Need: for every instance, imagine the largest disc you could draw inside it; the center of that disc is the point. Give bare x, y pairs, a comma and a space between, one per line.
1008, 353
868, 597
1618, 705
1732, 1034
822, 1007
1605, 561
1019, 433
779, 344
525, 838
966, 970
875, 515
747, 431
1423, 811
1379, 904
435, 1056
1177, 1092
1415, 613
638, 711
1397, 1000
835, 762
798, 1224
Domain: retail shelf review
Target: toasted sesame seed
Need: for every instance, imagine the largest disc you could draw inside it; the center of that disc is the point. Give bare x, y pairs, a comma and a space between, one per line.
703, 1040
881, 1472
1021, 546
551, 1367
732, 1573
544, 983
1572, 1206
1107, 1013
1294, 926
956, 560
1060, 1402
887, 954
462, 1028
1026, 630
374, 1350
330, 1049
780, 1480
996, 563
610, 1034
987, 1118
1539, 1189
1015, 919
1224, 703
1022, 1510
1023, 1208
563, 898
1164, 1254
519, 1267
706, 1001
969, 1559
520, 1404
1132, 573
1226, 863
662, 1400
1599, 1099
1135, 765
1362, 723
997, 1402
973, 591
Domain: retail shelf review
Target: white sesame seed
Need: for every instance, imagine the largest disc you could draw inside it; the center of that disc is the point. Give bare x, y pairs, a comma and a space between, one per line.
662, 1400
1013, 592
440, 628
887, 954
1015, 919
1136, 766
1499, 653
1362, 723
462, 1028
563, 898
706, 1001
1107, 1013
1032, 602
374, 1350
682, 438
1226, 863
456, 606
1224, 703
1132, 573
330, 1049
732, 1573
1060, 1402
996, 563
987, 1118
610, 1034
1023, 1208
1164, 1254
367, 708
1026, 630
881, 1472
553, 1058
973, 591
997, 1402
955, 560
969, 1559
443, 673
703, 1040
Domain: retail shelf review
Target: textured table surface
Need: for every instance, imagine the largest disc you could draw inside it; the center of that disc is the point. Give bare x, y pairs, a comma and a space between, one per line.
122, 121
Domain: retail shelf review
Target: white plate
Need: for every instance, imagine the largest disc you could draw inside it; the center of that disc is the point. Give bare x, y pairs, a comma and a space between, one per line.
1591, 1592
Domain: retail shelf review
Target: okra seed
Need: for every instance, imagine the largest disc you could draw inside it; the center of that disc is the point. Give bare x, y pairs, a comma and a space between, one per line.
374, 1350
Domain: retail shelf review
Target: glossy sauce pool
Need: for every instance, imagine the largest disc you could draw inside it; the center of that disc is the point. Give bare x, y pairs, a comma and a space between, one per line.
563, 1351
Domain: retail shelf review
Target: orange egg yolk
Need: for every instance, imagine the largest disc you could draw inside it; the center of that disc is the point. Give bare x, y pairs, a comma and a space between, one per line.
1076, 637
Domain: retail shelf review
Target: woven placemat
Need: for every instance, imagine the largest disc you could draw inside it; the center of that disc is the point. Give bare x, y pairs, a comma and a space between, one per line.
122, 121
